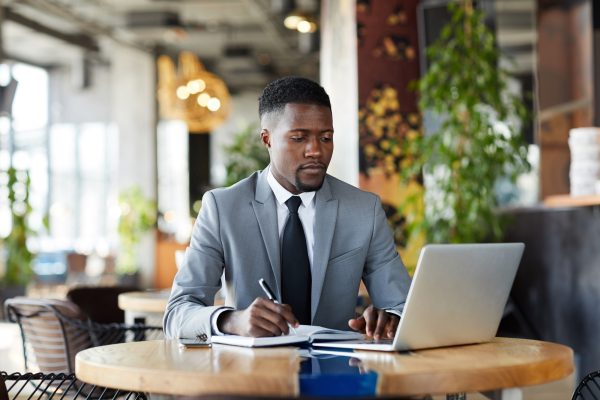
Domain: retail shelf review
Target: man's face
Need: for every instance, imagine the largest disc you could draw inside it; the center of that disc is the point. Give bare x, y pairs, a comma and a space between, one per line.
300, 144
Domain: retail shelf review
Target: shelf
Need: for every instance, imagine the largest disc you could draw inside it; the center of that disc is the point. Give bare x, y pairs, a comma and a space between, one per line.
565, 200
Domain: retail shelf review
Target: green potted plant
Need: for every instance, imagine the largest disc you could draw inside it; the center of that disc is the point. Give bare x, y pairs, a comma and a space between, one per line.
478, 141
245, 155
17, 257
137, 217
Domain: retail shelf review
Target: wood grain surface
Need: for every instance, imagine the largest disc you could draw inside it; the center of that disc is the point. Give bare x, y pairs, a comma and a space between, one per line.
164, 367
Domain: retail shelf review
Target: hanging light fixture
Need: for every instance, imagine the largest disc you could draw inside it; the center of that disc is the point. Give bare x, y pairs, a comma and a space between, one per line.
191, 93
300, 21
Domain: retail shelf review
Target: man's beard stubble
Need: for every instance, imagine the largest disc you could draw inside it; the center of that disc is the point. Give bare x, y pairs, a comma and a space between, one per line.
307, 188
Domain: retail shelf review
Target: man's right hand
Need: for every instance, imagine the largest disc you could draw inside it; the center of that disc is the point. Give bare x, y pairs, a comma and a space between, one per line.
262, 318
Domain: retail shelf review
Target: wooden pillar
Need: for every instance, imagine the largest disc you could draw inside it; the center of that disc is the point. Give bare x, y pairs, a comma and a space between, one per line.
565, 85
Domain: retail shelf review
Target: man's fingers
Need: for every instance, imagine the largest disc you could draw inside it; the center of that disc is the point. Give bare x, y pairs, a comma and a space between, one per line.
259, 327
392, 325
288, 314
274, 317
268, 320
376, 323
357, 324
264, 303
278, 315
284, 310
370, 315
381, 325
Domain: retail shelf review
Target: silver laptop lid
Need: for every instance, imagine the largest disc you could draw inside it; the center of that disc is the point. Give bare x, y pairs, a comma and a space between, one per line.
458, 294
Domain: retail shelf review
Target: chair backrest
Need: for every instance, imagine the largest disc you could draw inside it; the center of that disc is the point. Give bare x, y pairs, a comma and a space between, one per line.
49, 344
588, 388
100, 303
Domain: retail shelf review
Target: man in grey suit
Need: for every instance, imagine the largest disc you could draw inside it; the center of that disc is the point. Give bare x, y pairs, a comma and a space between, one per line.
312, 237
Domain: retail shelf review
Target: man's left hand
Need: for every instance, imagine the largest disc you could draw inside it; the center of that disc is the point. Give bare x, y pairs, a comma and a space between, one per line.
375, 323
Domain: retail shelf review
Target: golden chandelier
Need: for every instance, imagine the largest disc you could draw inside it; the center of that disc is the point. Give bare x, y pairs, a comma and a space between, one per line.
192, 94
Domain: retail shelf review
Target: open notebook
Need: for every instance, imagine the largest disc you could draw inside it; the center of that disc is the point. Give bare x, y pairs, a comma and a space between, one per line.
304, 333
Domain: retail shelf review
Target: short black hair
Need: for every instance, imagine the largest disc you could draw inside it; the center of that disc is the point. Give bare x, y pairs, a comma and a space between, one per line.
291, 89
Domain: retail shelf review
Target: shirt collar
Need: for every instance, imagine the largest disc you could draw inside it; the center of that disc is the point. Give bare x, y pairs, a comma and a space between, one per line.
282, 194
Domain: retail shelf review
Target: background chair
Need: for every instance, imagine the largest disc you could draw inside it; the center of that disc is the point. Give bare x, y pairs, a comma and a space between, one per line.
588, 388
76, 263
54, 331
100, 303
49, 345
56, 386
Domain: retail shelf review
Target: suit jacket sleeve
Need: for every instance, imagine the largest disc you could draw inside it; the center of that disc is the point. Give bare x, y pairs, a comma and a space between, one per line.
384, 275
190, 306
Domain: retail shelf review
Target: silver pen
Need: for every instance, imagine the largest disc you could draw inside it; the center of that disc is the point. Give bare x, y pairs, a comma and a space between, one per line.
265, 287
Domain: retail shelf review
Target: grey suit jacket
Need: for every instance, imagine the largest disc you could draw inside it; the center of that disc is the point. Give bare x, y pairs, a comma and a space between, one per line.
236, 234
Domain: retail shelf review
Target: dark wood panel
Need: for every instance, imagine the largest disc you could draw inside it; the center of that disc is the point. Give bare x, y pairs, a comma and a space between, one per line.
554, 162
557, 287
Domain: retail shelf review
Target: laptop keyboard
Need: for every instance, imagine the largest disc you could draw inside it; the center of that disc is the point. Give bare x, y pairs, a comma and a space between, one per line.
379, 341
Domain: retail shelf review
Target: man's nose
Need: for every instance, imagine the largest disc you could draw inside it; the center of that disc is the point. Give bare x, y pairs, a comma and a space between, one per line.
313, 148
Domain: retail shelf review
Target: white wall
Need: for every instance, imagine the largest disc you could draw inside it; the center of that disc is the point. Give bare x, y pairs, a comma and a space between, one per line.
244, 111
133, 95
339, 76
73, 104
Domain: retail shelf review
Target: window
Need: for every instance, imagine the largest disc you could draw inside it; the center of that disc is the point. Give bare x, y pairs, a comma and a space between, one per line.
72, 168
23, 138
83, 208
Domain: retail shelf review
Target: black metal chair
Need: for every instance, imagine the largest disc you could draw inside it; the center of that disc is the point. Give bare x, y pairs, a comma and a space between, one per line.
54, 331
56, 386
588, 388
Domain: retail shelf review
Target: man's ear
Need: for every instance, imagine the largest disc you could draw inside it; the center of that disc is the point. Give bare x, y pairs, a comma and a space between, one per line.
265, 138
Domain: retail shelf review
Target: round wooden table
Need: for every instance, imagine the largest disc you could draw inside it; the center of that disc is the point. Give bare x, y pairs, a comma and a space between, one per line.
148, 307
164, 367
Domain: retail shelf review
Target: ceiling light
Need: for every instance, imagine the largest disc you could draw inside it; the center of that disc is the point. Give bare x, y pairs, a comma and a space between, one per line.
306, 26
196, 86
203, 99
213, 104
183, 92
292, 20
301, 21
191, 93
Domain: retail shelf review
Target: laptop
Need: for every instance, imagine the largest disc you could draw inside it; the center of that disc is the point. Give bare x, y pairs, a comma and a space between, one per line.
457, 296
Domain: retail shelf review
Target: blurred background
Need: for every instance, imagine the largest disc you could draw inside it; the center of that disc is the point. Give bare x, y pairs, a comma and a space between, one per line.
117, 116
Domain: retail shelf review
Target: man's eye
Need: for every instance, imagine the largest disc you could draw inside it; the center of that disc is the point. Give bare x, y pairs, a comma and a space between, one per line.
297, 138
326, 139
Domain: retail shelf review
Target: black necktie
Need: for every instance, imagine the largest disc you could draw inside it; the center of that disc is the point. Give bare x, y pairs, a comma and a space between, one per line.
295, 267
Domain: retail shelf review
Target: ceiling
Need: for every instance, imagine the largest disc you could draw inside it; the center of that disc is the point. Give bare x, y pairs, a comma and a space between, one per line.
243, 41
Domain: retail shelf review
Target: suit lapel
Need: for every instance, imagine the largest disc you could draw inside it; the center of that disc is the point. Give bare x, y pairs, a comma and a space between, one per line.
265, 210
325, 218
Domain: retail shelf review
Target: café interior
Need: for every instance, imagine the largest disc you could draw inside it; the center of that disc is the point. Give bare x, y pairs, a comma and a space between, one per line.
117, 116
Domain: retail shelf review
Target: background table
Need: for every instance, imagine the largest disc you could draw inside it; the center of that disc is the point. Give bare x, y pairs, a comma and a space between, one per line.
147, 307
164, 367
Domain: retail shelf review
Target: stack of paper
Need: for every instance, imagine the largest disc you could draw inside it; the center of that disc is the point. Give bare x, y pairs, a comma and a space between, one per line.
584, 144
